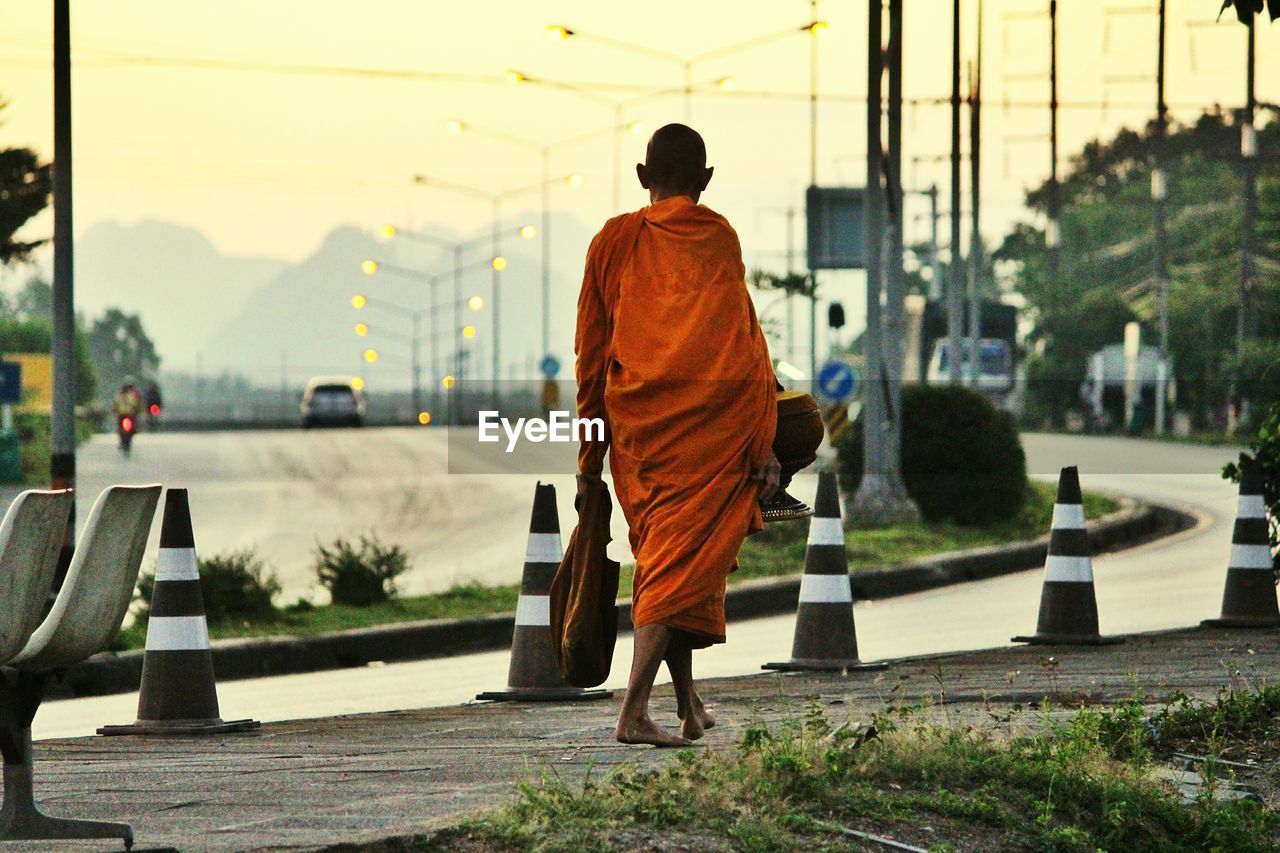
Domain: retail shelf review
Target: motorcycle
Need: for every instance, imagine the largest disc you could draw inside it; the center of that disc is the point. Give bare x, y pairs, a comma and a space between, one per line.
125, 428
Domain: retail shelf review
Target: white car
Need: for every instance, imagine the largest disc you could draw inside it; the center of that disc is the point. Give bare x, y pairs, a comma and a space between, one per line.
332, 401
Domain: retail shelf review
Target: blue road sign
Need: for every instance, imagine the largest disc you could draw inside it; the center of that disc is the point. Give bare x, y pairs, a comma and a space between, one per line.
837, 380
550, 366
10, 382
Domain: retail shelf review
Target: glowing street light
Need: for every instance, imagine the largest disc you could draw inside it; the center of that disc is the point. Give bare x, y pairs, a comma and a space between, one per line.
468, 332
514, 76
499, 263
475, 303
371, 355
368, 266
576, 181
528, 232
424, 418
816, 28
362, 329
358, 302
727, 83
357, 383
455, 127
636, 128
385, 233
448, 382
555, 32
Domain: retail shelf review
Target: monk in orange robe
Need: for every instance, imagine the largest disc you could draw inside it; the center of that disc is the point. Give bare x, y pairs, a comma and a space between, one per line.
671, 357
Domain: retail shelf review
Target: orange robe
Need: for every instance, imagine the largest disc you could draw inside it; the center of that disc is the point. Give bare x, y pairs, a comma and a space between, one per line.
671, 356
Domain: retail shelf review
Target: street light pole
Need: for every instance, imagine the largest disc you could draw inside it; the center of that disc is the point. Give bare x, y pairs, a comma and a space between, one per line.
881, 499
62, 457
1053, 231
1159, 191
975, 234
955, 309
1248, 154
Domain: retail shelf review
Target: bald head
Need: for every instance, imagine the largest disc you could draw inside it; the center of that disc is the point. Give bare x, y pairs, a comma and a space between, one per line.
675, 163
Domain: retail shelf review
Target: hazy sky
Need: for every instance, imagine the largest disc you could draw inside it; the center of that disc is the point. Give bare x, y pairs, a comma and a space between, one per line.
266, 163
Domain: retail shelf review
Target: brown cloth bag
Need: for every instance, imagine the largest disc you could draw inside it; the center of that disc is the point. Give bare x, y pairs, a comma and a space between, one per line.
584, 612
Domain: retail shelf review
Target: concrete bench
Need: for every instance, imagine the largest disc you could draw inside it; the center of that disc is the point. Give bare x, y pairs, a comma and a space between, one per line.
85, 616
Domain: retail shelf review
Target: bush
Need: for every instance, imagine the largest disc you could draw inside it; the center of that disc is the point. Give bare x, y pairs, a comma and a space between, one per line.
962, 460
1266, 452
236, 586
360, 576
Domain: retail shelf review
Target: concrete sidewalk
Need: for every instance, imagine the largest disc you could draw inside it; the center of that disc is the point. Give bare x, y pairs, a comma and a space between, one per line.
314, 783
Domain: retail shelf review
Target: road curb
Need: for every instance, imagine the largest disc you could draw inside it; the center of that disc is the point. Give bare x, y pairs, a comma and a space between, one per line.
112, 672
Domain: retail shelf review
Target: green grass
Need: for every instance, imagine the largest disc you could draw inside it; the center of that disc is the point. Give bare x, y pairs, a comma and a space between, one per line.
810, 784
776, 551
471, 599
33, 454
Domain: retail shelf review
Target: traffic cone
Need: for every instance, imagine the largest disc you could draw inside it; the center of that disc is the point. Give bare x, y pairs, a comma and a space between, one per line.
1068, 608
1249, 600
825, 638
534, 676
178, 694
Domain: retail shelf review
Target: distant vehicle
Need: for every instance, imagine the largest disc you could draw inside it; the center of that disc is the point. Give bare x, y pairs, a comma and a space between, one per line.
995, 365
332, 401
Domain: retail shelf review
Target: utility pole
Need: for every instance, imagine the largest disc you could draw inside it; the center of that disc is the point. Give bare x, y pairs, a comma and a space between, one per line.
791, 270
955, 309
813, 182
881, 499
935, 262
1053, 235
1248, 154
1159, 193
62, 456
891, 335
975, 235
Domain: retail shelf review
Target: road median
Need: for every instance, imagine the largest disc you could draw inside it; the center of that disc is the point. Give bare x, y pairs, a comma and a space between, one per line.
120, 672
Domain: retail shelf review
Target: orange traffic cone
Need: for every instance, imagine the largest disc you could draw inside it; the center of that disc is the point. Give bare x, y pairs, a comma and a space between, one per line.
1249, 600
534, 676
825, 638
179, 695
1068, 608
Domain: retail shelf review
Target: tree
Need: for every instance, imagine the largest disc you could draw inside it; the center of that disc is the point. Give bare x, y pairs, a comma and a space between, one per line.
121, 349
35, 300
1107, 262
25, 184
31, 335
1246, 9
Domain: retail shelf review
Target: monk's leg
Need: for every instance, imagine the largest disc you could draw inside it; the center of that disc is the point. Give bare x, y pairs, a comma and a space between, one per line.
634, 724
695, 717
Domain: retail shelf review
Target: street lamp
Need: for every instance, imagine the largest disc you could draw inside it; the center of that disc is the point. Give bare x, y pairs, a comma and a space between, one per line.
457, 126
498, 262
361, 301
560, 32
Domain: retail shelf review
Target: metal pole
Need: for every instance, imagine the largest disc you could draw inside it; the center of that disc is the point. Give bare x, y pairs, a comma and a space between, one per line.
873, 401
1053, 234
417, 365
546, 251
1159, 189
791, 269
1248, 153
62, 456
813, 182
688, 92
935, 260
284, 383
975, 235
955, 309
891, 335
454, 392
434, 375
496, 240
617, 159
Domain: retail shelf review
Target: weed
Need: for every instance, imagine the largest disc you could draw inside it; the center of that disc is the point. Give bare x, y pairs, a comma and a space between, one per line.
360, 575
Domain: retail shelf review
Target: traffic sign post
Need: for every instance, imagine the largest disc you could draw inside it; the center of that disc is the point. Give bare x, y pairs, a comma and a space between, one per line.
549, 366
837, 380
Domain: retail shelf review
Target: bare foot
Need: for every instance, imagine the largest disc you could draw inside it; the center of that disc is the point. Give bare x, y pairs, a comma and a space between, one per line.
694, 725
645, 730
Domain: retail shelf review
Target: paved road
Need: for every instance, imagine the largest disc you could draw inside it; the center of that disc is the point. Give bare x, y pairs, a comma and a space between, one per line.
1167, 584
